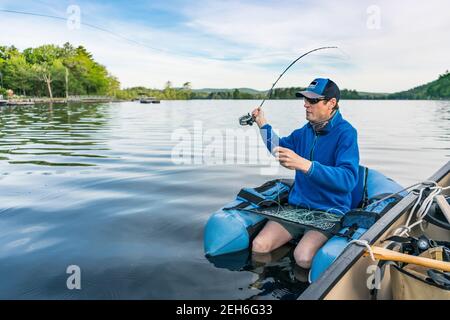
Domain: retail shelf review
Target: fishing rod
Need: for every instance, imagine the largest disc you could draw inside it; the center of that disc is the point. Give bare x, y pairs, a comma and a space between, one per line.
248, 119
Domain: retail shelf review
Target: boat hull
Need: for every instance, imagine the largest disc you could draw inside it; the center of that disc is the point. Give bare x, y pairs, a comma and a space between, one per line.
350, 275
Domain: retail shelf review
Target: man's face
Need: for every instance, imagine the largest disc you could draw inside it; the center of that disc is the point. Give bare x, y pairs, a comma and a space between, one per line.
319, 111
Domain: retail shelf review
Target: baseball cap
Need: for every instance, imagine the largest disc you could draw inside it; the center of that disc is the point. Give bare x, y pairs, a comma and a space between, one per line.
320, 88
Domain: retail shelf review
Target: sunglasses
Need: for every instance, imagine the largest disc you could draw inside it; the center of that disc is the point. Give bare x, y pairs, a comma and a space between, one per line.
313, 101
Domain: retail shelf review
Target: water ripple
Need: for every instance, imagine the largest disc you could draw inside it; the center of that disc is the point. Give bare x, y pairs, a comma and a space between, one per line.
94, 185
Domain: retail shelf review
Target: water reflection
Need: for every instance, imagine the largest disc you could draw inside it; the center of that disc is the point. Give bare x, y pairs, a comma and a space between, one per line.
442, 120
277, 275
60, 130
94, 185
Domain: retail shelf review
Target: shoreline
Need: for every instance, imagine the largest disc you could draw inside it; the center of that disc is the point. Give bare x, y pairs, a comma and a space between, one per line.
39, 100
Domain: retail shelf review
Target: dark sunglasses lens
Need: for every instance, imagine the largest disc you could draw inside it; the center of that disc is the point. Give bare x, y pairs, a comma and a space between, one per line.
312, 101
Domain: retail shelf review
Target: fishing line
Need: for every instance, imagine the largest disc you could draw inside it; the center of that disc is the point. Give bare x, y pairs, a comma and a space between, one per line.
85, 24
117, 35
248, 119
120, 36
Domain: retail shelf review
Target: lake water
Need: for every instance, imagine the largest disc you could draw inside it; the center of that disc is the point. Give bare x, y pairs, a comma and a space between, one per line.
103, 187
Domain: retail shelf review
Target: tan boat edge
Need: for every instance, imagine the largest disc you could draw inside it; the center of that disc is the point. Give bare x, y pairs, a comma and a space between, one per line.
351, 275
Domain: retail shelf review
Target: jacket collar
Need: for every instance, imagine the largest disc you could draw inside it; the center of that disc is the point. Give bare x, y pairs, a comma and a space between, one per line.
337, 117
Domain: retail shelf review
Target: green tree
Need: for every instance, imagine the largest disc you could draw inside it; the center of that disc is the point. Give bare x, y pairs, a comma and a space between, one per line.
55, 71
169, 93
46, 64
187, 86
16, 73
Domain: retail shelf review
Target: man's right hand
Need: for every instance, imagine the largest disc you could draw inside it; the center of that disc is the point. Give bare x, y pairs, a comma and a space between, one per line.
258, 115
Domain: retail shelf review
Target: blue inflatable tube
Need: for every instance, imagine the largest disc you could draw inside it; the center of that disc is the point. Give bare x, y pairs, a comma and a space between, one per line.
230, 229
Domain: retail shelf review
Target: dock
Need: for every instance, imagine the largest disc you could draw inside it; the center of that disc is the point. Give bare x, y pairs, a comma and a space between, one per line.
149, 100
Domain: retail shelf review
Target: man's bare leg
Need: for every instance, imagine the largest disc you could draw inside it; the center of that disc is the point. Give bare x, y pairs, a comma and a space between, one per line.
273, 256
310, 243
271, 237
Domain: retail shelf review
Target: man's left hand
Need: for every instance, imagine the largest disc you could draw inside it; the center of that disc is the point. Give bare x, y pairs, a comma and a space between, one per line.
290, 160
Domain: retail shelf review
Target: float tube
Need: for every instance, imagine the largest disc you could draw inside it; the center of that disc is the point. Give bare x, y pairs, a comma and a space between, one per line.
232, 228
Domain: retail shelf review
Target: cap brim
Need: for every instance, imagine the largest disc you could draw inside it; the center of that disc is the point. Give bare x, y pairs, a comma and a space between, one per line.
308, 94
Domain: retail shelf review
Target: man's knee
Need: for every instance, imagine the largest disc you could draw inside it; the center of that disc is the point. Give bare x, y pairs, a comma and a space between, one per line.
303, 258
261, 246
308, 247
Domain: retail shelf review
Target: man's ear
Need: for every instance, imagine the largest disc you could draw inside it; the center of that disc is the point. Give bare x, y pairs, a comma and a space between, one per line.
332, 103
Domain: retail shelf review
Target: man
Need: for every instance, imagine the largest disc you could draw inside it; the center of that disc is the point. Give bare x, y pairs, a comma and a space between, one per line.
324, 154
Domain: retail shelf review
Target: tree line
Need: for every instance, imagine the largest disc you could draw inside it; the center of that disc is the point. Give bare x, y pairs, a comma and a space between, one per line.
185, 93
54, 71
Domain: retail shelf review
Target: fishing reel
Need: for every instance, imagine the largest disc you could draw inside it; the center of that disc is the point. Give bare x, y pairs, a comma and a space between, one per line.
246, 120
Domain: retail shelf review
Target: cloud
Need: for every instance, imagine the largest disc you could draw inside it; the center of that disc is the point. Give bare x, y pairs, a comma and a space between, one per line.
406, 50
133, 64
248, 43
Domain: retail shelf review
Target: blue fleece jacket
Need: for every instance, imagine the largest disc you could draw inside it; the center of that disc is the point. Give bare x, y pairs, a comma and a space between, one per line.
335, 159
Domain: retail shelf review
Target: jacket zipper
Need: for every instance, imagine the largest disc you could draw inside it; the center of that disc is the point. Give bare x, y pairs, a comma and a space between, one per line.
311, 154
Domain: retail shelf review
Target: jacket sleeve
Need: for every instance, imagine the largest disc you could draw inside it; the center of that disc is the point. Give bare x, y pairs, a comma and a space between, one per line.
272, 140
342, 177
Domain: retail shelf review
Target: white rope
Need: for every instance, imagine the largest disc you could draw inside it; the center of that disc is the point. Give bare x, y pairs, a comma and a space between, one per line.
366, 244
420, 212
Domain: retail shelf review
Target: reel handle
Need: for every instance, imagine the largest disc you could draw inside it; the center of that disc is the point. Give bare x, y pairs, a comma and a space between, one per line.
246, 120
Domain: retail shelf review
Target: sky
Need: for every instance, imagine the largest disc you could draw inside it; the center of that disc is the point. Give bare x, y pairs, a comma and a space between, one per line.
383, 46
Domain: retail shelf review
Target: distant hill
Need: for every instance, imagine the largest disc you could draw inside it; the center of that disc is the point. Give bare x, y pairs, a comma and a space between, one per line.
278, 93
215, 90
437, 89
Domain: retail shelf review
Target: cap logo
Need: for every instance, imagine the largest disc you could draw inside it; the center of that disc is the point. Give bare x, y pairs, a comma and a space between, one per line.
312, 85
